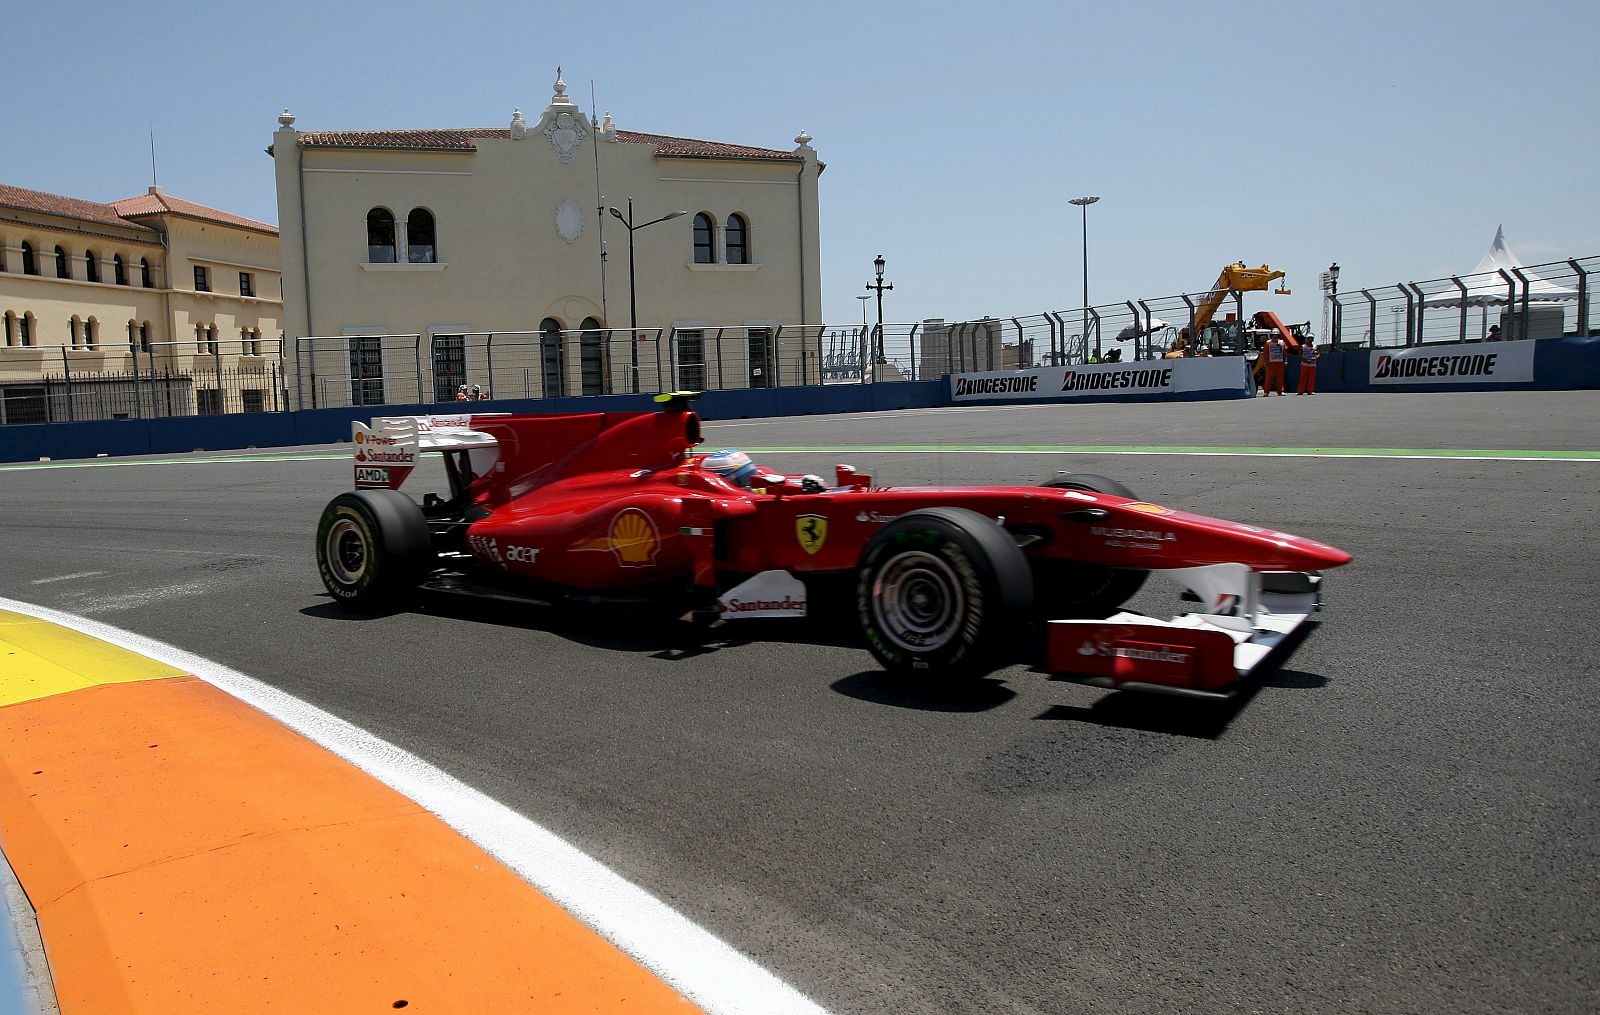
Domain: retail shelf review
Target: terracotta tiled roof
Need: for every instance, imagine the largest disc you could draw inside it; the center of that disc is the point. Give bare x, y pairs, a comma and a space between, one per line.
164, 204
462, 141
406, 140
686, 147
66, 207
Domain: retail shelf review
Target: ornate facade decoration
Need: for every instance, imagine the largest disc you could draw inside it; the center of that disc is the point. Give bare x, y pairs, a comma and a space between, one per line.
569, 219
565, 134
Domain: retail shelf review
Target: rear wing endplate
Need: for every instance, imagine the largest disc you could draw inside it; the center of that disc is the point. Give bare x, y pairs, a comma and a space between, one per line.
386, 451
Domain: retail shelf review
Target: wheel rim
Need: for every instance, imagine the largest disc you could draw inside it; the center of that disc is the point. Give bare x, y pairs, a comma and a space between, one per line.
918, 601
346, 551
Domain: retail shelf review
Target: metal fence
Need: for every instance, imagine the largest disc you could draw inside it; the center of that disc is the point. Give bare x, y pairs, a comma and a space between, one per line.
224, 376
1534, 301
145, 381
346, 370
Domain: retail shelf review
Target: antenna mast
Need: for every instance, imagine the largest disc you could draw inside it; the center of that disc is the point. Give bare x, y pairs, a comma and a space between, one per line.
600, 206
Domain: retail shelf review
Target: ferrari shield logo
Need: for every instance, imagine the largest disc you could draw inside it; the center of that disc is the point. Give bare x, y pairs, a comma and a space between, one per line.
812, 531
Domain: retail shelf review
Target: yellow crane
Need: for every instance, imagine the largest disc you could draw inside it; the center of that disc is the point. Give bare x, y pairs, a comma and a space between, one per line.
1235, 278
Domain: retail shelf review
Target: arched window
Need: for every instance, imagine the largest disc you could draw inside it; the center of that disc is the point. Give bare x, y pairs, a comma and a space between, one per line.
76, 325
144, 336
11, 328
91, 267
119, 270
211, 339
419, 237
63, 269
552, 362
133, 336
25, 329
737, 240
592, 357
380, 236
91, 333
144, 272
29, 265
200, 338
704, 244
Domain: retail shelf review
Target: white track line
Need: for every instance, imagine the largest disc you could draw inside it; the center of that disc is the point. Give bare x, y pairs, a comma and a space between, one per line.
703, 968
66, 577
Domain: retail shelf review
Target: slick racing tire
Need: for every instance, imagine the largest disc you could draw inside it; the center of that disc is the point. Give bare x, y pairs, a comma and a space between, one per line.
373, 547
1067, 588
942, 593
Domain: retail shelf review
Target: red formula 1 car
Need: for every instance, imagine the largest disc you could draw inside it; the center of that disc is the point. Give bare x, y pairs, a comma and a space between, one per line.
621, 506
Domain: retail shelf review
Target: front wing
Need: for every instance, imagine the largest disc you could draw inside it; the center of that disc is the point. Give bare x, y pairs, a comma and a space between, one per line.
1204, 655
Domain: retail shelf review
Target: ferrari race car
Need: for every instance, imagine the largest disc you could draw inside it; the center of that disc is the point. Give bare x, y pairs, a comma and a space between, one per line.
946, 581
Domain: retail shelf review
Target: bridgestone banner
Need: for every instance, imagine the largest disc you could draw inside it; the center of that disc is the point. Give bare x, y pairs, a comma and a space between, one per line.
1477, 363
1100, 380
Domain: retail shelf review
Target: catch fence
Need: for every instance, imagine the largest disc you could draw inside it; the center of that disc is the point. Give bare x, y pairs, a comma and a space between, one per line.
200, 378
1531, 301
148, 381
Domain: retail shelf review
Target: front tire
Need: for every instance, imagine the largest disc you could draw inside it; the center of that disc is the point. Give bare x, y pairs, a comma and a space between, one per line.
1070, 588
941, 592
373, 547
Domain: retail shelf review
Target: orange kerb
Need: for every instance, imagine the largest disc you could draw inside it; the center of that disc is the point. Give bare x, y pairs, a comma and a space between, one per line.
186, 853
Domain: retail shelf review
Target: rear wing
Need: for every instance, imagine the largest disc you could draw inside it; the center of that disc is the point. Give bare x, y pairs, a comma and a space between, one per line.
386, 451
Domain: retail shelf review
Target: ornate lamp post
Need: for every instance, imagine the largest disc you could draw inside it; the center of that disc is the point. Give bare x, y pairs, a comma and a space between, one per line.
877, 264
1332, 278
1084, 203
633, 291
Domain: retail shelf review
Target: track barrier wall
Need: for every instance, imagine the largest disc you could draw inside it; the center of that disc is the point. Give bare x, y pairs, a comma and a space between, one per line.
1559, 364
183, 434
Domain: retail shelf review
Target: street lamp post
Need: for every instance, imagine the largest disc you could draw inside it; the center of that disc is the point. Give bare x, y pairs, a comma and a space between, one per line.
864, 297
1333, 298
1084, 203
633, 289
877, 264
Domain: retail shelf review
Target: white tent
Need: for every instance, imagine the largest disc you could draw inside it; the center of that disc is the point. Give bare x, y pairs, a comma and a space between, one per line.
1486, 287
1138, 330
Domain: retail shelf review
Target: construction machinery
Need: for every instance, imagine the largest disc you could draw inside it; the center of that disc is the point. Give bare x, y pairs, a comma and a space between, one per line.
1234, 279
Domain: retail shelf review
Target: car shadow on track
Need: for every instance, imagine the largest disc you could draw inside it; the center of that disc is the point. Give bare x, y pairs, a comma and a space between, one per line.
881, 688
620, 628
1181, 717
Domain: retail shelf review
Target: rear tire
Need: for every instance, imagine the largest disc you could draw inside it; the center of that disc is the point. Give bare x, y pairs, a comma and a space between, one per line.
941, 594
373, 548
1069, 588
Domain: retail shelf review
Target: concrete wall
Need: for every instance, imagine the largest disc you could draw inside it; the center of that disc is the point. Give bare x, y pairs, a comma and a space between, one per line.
1560, 364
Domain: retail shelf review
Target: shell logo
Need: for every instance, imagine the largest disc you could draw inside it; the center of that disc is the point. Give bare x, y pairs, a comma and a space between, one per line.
633, 538
1149, 509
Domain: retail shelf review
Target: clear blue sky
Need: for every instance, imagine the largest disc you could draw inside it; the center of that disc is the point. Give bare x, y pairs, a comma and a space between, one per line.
1391, 137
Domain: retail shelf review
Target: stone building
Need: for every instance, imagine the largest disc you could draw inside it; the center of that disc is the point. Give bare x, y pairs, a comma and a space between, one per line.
151, 305
425, 259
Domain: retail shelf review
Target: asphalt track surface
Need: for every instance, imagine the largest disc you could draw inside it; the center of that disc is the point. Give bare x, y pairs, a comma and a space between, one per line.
1401, 819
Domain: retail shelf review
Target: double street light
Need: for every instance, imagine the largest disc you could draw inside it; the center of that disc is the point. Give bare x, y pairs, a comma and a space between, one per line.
633, 289
1084, 203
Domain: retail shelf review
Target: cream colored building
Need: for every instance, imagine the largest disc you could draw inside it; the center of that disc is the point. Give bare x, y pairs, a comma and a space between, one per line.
441, 239
147, 306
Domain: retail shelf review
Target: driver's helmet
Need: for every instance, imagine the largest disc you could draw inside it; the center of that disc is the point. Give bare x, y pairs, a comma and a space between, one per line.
731, 464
